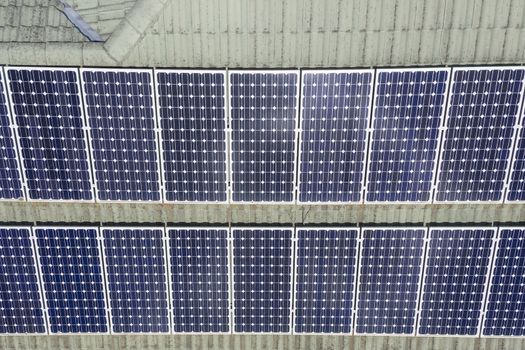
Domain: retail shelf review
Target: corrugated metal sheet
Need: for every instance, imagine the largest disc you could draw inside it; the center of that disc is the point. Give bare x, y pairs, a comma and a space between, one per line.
333, 33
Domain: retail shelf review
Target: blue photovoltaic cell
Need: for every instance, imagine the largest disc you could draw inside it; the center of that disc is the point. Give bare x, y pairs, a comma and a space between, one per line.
10, 175
263, 121
121, 117
505, 314
199, 280
262, 277
48, 113
482, 112
389, 275
454, 284
138, 293
516, 189
324, 284
334, 118
72, 279
21, 308
408, 112
193, 123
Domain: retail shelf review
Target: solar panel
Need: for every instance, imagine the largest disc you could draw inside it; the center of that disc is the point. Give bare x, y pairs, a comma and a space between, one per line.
21, 308
136, 277
454, 282
47, 111
199, 280
192, 116
263, 111
262, 280
389, 277
123, 133
408, 112
326, 262
480, 123
516, 185
10, 175
72, 279
505, 311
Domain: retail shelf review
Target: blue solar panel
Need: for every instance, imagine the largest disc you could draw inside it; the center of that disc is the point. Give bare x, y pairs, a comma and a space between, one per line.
482, 113
136, 273
516, 186
326, 262
389, 275
334, 120
193, 122
408, 112
505, 313
263, 121
48, 113
262, 280
10, 175
121, 117
199, 280
21, 309
72, 278
455, 276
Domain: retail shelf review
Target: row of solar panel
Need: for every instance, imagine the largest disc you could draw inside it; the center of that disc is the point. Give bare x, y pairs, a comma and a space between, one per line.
394, 281
364, 135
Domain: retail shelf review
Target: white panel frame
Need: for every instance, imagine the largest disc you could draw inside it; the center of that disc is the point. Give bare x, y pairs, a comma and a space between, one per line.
412, 228
84, 133
373, 118
44, 291
444, 137
297, 73
300, 131
464, 228
197, 228
103, 230
90, 135
161, 140
292, 231
356, 267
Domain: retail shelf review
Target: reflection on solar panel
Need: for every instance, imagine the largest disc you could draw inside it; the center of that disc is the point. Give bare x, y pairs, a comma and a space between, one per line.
516, 186
10, 178
505, 314
21, 308
325, 279
262, 278
334, 120
482, 113
135, 269
389, 275
263, 121
454, 284
72, 279
408, 111
199, 280
48, 113
121, 117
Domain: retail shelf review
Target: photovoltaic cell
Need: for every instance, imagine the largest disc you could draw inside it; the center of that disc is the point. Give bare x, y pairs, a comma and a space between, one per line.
326, 262
10, 175
135, 269
193, 122
72, 278
454, 282
334, 120
48, 114
262, 277
199, 280
408, 112
516, 187
482, 113
263, 110
21, 308
505, 314
389, 275
121, 117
